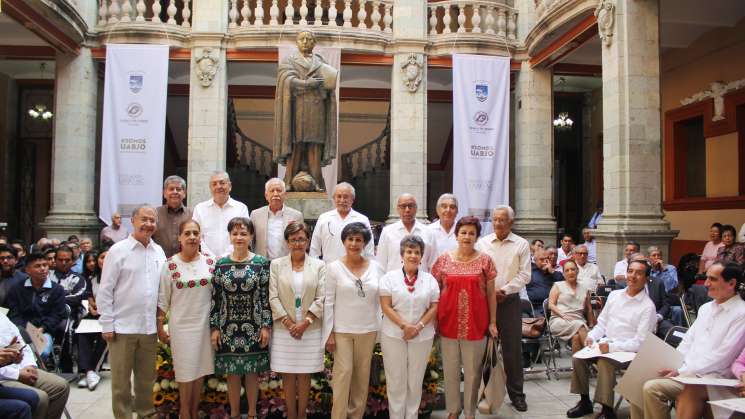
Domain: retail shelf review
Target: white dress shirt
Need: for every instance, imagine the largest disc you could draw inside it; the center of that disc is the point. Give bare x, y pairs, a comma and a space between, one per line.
625, 321
8, 331
589, 276
389, 245
621, 267
275, 237
592, 253
344, 310
410, 306
511, 257
326, 240
562, 255
715, 339
443, 240
127, 297
214, 220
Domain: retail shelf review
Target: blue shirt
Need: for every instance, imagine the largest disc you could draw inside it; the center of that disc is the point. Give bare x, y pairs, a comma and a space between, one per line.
669, 277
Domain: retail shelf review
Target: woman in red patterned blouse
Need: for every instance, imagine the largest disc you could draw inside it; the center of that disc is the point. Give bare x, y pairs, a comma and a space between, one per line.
466, 313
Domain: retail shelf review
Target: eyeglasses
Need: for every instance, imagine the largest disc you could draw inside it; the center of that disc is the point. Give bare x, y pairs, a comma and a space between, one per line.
580, 253
298, 241
6, 257
407, 206
360, 290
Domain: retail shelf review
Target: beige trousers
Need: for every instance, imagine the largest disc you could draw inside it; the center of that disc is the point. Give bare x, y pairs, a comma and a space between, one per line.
657, 394
128, 354
470, 355
405, 364
606, 379
351, 374
52, 391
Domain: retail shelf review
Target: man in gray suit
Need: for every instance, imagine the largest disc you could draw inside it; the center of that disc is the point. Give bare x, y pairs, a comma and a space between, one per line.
270, 221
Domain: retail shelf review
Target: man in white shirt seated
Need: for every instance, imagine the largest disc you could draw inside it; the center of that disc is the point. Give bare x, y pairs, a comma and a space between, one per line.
591, 244
619, 271
389, 245
628, 316
214, 215
326, 242
589, 274
710, 345
443, 229
270, 221
565, 251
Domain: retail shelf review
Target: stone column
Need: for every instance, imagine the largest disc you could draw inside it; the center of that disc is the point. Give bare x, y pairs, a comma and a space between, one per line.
632, 174
208, 95
408, 172
534, 155
74, 149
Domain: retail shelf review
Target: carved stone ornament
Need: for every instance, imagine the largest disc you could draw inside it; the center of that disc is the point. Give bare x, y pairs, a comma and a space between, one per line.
207, 63
412, 69
606, 17
717, 91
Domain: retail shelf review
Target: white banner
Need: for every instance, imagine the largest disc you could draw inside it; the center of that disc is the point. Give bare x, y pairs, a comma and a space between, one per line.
134, 118
481, 150
333, 58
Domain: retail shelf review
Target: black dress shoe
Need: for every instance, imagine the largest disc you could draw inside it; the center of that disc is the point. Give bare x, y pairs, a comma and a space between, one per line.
582, 408
606, 414
520, 404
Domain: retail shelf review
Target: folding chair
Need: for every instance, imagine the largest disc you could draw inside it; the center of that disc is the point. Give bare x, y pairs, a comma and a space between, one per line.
40, 364
675, 335
545, 350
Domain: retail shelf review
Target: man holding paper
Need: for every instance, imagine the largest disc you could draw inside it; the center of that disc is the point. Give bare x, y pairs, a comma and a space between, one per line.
623, 324
709, 347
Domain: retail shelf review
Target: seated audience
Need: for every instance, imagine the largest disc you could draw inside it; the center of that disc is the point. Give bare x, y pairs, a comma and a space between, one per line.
565, 251
9, 275
591, 244
20, 251
70, 281
91, 345
542, 278
667, 273
114, 231
51, 390
535, 245
569, 302
553, 258
711, 248
623, 325
731, 251
589, 274
619, 271
38, 301
51, 256
709, 347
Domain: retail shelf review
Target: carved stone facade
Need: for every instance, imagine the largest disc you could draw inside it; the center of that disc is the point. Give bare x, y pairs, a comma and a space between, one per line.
606, 16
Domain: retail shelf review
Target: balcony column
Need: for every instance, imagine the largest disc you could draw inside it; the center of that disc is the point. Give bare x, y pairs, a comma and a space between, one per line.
632, 177
74, 149
408, 154
208, 95
534, 155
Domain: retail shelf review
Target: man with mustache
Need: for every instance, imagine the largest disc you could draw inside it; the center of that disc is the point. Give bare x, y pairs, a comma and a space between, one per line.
271, 220
171, 215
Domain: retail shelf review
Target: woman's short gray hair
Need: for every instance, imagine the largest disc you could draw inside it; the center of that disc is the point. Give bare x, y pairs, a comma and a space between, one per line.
444, 197
412, 240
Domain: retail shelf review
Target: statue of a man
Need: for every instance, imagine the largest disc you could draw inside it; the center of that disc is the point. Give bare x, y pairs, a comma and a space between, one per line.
305, 115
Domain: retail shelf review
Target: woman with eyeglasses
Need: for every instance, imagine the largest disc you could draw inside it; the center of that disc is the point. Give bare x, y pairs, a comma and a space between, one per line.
296, 297
351, 321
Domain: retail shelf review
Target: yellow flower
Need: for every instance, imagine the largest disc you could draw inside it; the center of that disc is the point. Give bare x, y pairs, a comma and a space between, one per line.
158, 399
222, 398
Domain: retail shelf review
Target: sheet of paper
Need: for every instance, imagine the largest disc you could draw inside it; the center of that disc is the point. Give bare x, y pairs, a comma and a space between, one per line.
593, 351
653, 355
708, 381
735, 405
89, 326
37, 337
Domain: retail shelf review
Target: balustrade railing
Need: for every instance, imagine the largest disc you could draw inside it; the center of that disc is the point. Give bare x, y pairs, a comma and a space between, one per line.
544, 6
373, 15
370, 156
479, 16
167, 12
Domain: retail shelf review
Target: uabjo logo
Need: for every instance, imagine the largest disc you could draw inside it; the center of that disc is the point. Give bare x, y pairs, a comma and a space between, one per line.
481, 91
481, 118
133, 145
134, 110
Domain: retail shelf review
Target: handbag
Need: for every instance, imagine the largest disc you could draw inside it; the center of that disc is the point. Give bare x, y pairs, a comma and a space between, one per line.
533, 326
493, 379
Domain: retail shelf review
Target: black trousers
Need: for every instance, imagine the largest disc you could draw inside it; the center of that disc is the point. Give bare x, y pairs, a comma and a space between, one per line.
90, 349
510, 334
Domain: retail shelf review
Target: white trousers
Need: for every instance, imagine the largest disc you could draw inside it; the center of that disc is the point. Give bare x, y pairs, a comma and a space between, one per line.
405, 364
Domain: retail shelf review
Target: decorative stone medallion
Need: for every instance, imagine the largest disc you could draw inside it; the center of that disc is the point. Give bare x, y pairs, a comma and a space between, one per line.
606, 17
207, 62
412, 69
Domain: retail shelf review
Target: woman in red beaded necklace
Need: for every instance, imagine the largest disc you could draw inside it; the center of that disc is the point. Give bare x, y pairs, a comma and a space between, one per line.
408, 298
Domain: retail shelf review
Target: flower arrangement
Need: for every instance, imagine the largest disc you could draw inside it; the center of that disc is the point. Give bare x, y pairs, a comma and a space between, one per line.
214, 402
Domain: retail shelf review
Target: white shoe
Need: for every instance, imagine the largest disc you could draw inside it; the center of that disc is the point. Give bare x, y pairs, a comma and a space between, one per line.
82, 383
92, 380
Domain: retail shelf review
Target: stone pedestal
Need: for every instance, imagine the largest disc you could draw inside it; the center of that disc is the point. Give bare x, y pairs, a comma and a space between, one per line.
632, 177
74, 152
534, 155
311, 204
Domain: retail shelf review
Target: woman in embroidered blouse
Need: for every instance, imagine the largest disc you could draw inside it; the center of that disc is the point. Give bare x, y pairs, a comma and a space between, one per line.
240, 318
185, 295
351, 320
467, 312
709, 254
568, 302
296, 296
408, 297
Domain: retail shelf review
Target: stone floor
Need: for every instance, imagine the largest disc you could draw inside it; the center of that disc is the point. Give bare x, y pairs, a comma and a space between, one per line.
546, 399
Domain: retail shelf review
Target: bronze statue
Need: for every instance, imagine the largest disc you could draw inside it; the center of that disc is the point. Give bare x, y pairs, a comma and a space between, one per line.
305, 116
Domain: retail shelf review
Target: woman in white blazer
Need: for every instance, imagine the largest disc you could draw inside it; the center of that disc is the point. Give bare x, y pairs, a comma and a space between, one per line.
296, 294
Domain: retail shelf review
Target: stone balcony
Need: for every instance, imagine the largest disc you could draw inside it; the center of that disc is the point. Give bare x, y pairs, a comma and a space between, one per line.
366, 26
